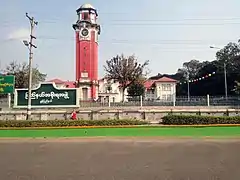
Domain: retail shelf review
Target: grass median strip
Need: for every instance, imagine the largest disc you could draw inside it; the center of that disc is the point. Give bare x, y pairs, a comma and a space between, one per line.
124, 132
124, 126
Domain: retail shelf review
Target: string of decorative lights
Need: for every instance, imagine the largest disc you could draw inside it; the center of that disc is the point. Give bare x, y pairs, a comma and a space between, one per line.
198, 79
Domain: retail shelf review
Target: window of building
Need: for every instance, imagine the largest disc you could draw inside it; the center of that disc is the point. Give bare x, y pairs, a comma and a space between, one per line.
84, 74
97, 37
164, 97
92, 18
169, 97
166, 87
109, 88
86, 16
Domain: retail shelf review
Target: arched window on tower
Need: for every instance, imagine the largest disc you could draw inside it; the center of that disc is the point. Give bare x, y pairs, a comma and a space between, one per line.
93, 18
86, 16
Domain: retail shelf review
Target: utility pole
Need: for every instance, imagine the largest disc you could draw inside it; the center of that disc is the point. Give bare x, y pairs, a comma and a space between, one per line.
188, 86
225, 81
30, 45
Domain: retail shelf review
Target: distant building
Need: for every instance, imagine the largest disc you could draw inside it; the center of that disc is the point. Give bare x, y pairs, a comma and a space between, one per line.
162, 89
63, 84
110, 89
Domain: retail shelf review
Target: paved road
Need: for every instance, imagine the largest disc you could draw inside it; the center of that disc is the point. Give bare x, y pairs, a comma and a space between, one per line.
93, 159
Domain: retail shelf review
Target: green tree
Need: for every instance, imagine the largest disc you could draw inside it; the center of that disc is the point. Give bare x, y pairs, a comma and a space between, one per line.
20, 71
214, 85
136, 89
191, 68
230, 55
237, 88
125, 70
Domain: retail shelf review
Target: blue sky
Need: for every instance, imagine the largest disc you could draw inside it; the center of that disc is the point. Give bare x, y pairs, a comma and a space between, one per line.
167, 33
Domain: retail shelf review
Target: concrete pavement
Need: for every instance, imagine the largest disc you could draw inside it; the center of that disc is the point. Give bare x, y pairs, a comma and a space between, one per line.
119, 159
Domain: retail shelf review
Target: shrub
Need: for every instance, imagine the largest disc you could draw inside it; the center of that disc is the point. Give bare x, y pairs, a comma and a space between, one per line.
70, 123
201, 120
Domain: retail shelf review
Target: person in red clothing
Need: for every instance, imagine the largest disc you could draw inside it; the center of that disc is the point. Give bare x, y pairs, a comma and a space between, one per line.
74, 115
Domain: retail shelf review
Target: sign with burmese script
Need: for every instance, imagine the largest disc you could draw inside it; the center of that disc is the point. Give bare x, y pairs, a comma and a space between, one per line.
7, 84
47, 95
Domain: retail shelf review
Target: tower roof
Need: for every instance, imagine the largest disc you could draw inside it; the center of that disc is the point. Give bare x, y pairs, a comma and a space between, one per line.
87, 6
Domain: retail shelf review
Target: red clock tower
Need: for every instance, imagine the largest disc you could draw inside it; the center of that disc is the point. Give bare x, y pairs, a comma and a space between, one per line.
87, 31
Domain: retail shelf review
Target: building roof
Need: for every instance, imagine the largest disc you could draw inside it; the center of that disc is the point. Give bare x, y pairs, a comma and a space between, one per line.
148, 84
166, 79
57, 81
87, 6
70, 84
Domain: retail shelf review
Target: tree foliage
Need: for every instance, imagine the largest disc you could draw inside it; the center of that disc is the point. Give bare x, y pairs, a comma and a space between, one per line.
237, 88
191, 68
229, 52
215, 86
230, 55
20, 71
136, 89
125, 70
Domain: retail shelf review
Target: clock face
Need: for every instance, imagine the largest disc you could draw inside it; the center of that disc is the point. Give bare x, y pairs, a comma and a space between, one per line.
85, 32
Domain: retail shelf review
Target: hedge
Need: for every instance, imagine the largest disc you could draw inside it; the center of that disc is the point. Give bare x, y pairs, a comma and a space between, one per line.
69, 123
199, 120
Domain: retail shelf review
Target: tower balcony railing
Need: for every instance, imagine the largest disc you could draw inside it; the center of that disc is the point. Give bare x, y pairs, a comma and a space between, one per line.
88, 83
85, 24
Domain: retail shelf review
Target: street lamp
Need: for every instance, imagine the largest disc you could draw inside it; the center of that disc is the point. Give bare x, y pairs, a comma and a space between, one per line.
213, 47
225, 74
26, 43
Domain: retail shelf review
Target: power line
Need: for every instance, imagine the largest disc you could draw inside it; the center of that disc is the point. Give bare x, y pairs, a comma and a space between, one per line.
134, 41
146, 24
172, 24
55, 20
170, 20
147, 21
150, 23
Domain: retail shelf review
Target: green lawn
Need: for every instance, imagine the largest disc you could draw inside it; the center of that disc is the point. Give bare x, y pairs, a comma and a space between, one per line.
126, 132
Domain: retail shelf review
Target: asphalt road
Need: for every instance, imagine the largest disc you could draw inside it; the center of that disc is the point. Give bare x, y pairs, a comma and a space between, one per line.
112, 159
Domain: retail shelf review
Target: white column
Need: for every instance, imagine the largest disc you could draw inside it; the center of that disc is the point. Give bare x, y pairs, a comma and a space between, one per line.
109, 100
208, 100
9, 100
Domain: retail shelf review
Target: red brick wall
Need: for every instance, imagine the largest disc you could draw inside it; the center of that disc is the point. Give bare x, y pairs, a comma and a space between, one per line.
87, 59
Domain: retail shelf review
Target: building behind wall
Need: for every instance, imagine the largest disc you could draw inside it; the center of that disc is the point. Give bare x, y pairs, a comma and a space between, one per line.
162, 89
110, 89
